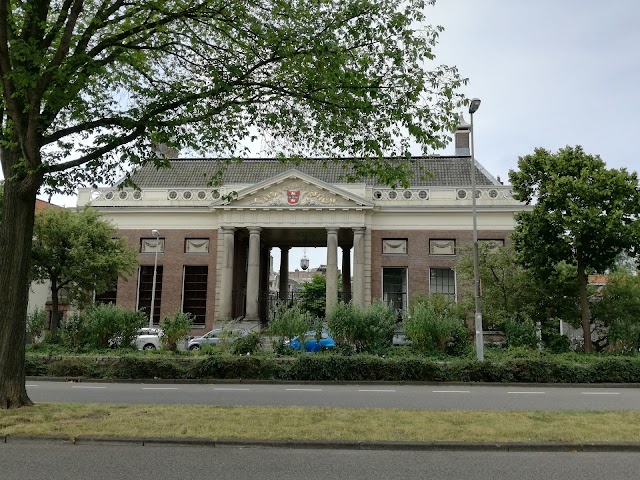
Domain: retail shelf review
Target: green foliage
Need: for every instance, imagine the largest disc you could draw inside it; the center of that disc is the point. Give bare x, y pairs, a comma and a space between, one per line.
363, 329
76, 251
511, 365
521, 332
509, 288
35, 324
436, 324
289, 322
313, 296
100, 327
247, 345
175, 329
583, 214
619, 309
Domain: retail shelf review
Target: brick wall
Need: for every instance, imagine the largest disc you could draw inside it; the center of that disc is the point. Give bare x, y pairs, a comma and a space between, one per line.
418, 261
172, 260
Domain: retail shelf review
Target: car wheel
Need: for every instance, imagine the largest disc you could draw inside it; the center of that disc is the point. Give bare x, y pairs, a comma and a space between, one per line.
194, 347
149, 346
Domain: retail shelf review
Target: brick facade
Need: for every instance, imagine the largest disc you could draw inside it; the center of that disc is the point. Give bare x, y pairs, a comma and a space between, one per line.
418, 260
172, 260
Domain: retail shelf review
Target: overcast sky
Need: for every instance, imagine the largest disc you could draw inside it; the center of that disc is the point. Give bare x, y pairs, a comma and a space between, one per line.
550, 73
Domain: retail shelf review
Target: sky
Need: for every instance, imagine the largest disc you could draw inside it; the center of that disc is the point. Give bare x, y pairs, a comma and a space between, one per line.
550, 73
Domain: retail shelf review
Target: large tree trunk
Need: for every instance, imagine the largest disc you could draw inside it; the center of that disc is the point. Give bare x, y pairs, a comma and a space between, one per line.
16, 230
584, 304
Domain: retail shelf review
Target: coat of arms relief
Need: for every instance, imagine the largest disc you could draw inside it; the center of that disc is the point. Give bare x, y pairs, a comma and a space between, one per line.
294, 195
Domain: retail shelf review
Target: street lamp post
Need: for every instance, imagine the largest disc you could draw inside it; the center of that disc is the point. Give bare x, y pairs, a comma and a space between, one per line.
473, 107
156, 234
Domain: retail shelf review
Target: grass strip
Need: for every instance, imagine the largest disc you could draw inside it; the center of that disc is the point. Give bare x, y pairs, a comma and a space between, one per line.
303, 423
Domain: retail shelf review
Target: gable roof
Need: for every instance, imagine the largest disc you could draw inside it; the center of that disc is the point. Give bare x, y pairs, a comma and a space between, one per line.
196, 173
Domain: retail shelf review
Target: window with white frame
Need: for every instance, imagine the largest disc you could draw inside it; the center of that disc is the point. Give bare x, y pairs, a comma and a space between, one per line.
194, 292
442, 280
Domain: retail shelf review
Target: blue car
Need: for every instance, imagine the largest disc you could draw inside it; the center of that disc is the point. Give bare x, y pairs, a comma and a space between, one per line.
311, 343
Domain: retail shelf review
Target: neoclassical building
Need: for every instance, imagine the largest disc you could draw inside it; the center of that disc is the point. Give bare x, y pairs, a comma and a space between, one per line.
213, 244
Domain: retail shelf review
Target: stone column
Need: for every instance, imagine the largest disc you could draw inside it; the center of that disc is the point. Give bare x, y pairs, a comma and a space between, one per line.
226, 276
346, 274
284, 273
332, 268
358, 266
253, 275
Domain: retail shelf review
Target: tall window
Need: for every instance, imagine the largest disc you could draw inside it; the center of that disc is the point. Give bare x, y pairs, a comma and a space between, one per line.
145, 285
110, 295
443, 280
194, 292
394, 288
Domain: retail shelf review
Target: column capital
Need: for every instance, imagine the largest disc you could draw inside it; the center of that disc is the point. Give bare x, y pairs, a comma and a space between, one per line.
358, 229
227, 229
331, 230
254, 229
285, 248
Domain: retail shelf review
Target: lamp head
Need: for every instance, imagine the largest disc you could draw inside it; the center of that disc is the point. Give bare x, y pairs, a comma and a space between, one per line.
155, 233
474, 105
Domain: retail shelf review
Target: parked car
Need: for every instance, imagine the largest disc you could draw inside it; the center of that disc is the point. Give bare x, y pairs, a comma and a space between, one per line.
311, 342
148, 339
217, 336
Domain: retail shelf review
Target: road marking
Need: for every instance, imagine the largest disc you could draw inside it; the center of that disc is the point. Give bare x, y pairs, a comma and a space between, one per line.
600, 393
303, 389
159, 388
529, 393
232, 389
377, 391
82, 386
451, 391
27, 385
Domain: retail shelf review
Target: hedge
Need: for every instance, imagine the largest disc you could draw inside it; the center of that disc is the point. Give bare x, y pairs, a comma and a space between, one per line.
543, 369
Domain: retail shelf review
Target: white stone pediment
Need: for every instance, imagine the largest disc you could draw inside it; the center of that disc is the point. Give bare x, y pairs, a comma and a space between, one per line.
293, 189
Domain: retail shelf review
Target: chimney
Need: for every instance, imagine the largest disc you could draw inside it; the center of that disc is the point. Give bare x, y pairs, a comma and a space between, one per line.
462, 138
165, 151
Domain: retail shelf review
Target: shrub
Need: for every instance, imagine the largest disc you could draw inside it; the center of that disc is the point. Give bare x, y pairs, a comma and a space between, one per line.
35, 324
174, 329
246, 345
363, 329
110, 324
289, 322
436, 324
521, 332
101, 326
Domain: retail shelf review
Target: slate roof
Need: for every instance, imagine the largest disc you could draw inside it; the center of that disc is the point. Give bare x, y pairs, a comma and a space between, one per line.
196, 173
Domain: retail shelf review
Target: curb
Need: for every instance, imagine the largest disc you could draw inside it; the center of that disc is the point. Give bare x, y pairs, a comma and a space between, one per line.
211, 381
328, 444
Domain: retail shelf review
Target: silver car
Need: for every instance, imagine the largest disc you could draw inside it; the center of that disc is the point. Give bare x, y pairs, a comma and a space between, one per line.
216, 337
148, 339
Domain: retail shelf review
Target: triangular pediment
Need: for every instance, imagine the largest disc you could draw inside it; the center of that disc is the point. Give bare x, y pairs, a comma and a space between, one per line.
294, 189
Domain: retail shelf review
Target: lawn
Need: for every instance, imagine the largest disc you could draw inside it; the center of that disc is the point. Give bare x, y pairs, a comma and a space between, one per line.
301, 423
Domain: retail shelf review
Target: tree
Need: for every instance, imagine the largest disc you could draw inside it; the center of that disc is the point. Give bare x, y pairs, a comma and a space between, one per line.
89, 87
509, 289
583, 214
313, 295
76, 251
619, 309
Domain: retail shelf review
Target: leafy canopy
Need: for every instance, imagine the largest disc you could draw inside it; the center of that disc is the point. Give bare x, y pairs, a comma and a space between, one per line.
77, 252
582, 211
89, 87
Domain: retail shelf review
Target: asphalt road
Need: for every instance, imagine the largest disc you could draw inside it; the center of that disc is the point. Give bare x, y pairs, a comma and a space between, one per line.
434, 397
107, 462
